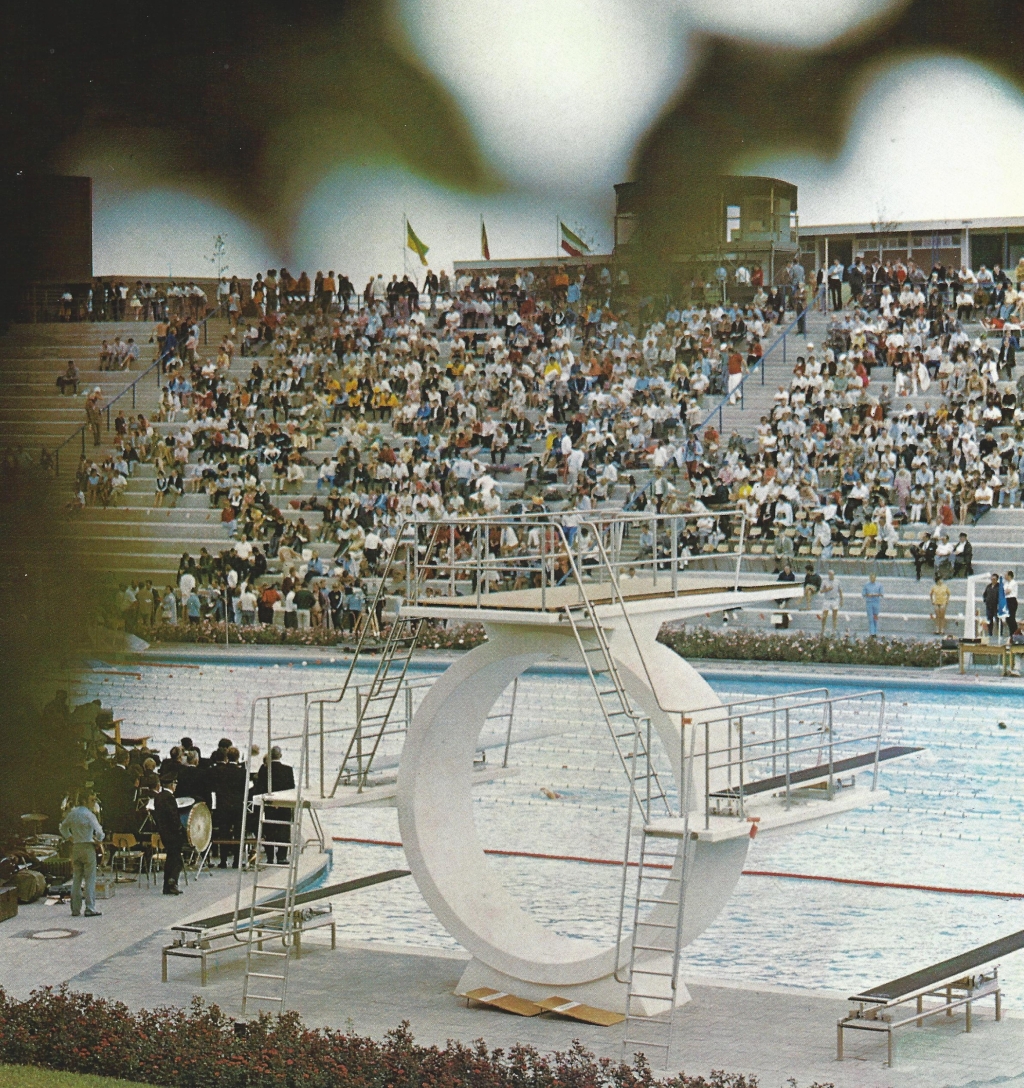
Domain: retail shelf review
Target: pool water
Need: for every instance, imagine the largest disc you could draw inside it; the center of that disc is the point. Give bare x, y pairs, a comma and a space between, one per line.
953, 817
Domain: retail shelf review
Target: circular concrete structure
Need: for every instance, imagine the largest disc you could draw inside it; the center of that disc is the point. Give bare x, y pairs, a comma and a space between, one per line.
435, 808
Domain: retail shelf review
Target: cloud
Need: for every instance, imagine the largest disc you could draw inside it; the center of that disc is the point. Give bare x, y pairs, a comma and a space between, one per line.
162, 232
558, 93
935, 138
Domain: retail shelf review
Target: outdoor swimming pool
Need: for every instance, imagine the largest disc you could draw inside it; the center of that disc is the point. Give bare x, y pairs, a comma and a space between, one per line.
954, 818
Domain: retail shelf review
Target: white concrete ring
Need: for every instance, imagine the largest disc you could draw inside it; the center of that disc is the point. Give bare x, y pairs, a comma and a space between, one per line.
435, 810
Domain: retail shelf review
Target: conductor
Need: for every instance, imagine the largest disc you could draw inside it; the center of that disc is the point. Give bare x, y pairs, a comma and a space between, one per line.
168, 824
275, 776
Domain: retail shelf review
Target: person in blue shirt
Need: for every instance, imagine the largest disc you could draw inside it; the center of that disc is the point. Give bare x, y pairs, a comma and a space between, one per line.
872, 594
83, 829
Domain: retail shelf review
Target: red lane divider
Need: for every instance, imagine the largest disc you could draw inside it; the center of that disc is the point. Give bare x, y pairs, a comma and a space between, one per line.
888, 884
746, 872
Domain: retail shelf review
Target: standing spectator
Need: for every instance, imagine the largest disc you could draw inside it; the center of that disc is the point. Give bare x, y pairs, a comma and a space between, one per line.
83, 829
939, 596
992, 598
275, 776
229, 782
873, 594
1010, 594
304, 601
94, 414
247, 606
170, 607
830, 599
786, 575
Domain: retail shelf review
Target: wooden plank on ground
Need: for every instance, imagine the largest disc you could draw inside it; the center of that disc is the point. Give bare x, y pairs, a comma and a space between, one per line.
497, 999
576, 1010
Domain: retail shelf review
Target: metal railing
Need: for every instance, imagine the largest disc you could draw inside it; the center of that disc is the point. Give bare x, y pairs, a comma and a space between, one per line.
156, 366
768, 740
730, 395
631, 552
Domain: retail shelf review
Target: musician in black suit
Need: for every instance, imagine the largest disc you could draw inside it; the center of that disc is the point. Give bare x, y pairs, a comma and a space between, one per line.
229, 782
280, 777
168, 824
193, 780
116, 788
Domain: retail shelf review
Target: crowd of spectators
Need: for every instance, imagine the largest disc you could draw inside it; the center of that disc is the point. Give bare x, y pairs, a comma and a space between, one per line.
411, 401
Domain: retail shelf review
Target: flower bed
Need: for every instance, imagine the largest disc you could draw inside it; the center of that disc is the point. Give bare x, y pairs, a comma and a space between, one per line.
436, 635
734, 644
730, 644
198, 1048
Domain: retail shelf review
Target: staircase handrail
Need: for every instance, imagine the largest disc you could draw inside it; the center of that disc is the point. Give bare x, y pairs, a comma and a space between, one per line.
79, 432
759, 366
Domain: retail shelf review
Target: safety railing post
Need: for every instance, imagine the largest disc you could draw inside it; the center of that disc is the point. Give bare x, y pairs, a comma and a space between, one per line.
774, 733
543, 566
673, 522
322, 783
739, 735
831, 760
788, 769
707, 775
305, 736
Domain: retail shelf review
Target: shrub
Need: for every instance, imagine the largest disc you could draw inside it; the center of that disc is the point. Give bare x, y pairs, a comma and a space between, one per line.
436, 635
198, 1048
734, 644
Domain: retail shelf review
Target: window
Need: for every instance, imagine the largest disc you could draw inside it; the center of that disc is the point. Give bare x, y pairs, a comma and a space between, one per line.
732, 221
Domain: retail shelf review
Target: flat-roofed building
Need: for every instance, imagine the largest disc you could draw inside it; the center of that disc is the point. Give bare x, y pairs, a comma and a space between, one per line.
951, 243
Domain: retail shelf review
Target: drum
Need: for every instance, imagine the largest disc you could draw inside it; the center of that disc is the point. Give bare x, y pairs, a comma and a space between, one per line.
184, 807
199, 828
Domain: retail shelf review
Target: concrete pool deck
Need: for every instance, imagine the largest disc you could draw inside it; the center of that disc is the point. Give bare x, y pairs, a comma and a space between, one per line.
370, 988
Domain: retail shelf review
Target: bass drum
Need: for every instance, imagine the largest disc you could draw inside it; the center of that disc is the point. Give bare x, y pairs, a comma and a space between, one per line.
199, 828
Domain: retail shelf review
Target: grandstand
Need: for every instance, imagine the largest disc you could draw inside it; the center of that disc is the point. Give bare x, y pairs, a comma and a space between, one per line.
135, 539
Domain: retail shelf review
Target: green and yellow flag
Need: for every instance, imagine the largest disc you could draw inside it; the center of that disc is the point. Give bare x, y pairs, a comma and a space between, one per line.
415, 244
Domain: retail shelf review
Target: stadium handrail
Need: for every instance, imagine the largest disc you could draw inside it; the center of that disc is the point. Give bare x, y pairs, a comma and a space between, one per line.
79, 433
759, 366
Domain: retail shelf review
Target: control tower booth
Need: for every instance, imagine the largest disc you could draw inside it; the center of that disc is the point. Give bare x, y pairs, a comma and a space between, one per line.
734, 221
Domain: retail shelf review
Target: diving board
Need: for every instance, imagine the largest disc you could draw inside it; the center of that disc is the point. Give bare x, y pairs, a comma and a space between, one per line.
958, 982
210, 936
809, 776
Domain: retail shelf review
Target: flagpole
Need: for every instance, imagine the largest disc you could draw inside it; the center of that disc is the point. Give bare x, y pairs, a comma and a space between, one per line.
405, 243
558, 233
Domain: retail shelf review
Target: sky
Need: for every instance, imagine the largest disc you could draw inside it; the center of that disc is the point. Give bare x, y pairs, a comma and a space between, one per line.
932, 138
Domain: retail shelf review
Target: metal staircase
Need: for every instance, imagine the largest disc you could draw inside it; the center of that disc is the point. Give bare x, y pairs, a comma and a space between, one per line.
374, 711
268, 967
663, 865
256, 923
658, 915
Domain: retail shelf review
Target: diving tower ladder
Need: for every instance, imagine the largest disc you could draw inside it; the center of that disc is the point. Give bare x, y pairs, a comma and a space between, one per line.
374, 710
662, 867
